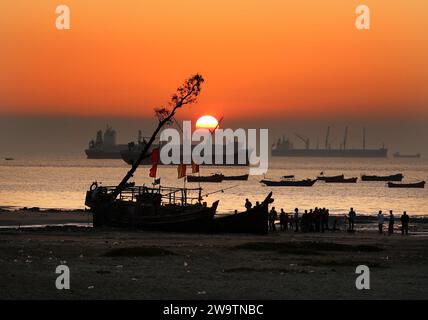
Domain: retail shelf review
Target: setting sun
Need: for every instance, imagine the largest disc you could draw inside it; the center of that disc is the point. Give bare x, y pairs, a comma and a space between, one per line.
207, 122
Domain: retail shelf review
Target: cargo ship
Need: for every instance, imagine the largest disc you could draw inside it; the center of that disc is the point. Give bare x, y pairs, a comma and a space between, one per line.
228, 159
285, 148
105, 147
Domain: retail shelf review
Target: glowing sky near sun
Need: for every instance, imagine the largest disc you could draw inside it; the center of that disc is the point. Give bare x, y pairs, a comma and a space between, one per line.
259, 58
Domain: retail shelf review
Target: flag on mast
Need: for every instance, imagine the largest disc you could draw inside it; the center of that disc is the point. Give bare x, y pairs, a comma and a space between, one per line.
155, 161
181, 171
195, 167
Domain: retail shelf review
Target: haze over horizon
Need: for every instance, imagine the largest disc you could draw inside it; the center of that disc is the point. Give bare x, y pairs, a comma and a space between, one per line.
65, 135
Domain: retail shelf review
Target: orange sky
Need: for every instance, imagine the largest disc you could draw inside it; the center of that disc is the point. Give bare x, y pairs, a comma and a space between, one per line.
259, 58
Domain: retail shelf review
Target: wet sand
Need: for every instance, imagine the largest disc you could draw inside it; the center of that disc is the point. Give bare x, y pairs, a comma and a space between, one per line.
48, 217
112, 264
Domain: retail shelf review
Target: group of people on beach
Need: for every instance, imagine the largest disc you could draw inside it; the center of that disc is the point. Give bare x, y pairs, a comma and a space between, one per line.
314, 220
405, 219
317, 220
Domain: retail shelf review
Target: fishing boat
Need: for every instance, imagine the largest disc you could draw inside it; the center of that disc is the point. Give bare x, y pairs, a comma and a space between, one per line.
147, 208
340, 180
243, 177
212, 178
399, 155
394, 177
254, 220
420, 185
289, 183
324, 178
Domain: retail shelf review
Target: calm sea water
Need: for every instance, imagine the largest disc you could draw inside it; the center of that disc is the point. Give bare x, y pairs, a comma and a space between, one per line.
61, 182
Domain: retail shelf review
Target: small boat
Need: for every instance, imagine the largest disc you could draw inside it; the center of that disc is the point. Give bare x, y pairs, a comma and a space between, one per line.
420, 185
9, 159
341, 180
253, 221
289, 183
398, 155
243, 177
212, 178
394, 177
324, 178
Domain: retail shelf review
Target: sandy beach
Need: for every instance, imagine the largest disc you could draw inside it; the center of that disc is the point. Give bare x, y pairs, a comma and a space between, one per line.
123, 264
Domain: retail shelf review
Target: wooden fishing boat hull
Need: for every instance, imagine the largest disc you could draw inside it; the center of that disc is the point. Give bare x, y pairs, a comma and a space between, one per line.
398, 155
191, 219
419, 185
342, 180
324, 178
213, 178
243, 177
394, 177
285, 183
254, 221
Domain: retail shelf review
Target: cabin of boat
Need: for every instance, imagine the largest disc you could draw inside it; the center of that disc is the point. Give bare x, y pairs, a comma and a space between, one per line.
151, 208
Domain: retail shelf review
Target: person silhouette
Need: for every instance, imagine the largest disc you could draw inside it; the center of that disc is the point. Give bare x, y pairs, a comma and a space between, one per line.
296, 219
405, 223
352, 215
380, 221
391, 223
272, 218
248, 204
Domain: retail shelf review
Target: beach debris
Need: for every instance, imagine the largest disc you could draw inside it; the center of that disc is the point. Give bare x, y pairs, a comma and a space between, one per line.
119, 266
202, 292
185, 264
134, 279
91, 287
63, 262
81, 256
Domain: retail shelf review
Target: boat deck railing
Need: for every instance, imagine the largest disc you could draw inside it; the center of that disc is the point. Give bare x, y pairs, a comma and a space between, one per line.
168, 195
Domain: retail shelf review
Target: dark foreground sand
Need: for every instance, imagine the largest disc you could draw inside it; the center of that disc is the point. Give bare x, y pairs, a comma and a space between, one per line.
151, 265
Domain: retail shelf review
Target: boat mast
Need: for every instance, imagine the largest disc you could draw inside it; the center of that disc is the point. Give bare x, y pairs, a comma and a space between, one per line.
364, 138
327, 137
345, 138
187, 94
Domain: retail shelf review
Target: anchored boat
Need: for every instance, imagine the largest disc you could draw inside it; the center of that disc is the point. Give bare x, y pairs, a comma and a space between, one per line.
340, 180
420, 185
394, 177
289, 183
324, 178
218, 177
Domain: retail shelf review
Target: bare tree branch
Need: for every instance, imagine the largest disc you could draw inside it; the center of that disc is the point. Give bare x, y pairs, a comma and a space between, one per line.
186, 94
